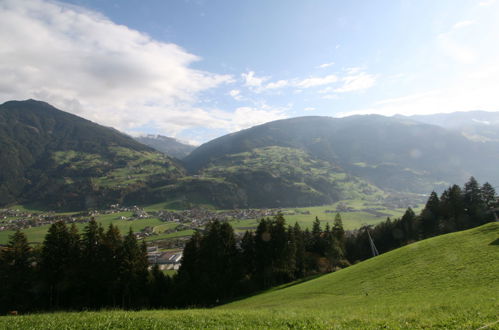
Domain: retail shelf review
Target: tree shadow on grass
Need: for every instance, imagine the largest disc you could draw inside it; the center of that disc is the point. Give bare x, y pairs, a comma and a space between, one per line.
496, 242
280, 287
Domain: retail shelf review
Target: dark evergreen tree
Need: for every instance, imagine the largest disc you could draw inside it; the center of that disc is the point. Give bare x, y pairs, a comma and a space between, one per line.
55, 265
300, 258
430, 217
133, 272
263, 254
112, 254
92, 291
409, 226
488, 195
159, 288
186, 291
452, 207
16, 274
474, 205
248, 252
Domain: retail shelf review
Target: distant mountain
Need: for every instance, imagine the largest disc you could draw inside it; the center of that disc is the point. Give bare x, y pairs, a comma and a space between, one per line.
167, 145
394, 154
476, 125
65, 161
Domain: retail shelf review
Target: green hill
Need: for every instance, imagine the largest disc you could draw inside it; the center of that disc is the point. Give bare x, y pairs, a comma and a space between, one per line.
450, 281
64, 161
280, 176
395, 154
442, 272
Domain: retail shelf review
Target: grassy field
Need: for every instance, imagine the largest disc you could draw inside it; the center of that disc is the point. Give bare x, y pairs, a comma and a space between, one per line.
304, 216
449, 281
351, 220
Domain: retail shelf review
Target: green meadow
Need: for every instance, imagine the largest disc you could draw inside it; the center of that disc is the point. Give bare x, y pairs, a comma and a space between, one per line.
304, 216
450, 281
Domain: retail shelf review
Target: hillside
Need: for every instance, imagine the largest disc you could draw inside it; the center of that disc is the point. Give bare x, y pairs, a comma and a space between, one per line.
392, 153
448, 281
443, 270
479, 126
64, 161
167, 145
280, 176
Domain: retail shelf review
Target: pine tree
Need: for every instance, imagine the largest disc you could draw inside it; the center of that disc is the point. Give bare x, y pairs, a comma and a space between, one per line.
186, 291
430, 216
16, 274
248, 255
92, 289
55, 261
488, 195
474, 206
300, 268
409, 226
133, 272
338, 231
112, 254
263, 253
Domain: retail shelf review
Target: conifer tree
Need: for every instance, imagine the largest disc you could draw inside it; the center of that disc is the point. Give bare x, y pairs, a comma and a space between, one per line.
55, 261
112, 254
16, 274
488, 195
430, 216
92, 290
300, 268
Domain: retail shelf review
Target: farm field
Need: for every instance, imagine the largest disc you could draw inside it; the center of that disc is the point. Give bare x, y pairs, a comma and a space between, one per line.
360, 213
448, 281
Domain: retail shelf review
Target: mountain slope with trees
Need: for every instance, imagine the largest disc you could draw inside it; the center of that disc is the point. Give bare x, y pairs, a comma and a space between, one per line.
391, 153
65, 161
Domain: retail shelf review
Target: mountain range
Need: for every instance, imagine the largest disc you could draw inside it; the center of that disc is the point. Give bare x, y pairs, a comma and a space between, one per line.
64, 161
167, 145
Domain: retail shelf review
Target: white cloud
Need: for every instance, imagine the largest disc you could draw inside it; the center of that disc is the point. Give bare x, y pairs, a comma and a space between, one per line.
82, 62
474, 91
326, 65
245, 117
277, 84
356, 82
236, 94
309, 109
317, 81
462, 24
250, 80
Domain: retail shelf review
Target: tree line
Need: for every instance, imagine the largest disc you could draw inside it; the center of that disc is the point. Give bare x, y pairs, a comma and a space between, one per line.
100, 268
216, 267
95, 269
456, 209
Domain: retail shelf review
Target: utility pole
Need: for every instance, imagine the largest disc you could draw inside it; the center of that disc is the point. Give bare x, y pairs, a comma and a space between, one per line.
374, 250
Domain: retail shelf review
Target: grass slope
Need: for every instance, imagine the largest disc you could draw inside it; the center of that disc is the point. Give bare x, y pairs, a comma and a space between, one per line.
449, 281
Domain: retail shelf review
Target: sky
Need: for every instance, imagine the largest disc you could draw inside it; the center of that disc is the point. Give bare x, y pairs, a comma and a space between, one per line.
199, 69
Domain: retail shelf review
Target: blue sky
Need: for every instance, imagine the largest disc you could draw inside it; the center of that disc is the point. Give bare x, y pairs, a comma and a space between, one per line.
199, 69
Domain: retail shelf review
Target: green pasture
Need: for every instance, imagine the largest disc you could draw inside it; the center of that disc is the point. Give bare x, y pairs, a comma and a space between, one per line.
447, 282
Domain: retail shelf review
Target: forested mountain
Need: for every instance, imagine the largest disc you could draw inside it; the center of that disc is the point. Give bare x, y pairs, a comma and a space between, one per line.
167, 145
395, 154
480, 126
64, 161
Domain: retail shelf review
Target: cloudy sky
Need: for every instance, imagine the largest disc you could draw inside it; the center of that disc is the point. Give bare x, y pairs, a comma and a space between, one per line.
197, 69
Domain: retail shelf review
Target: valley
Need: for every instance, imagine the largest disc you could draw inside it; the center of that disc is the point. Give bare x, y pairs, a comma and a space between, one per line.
159, 225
